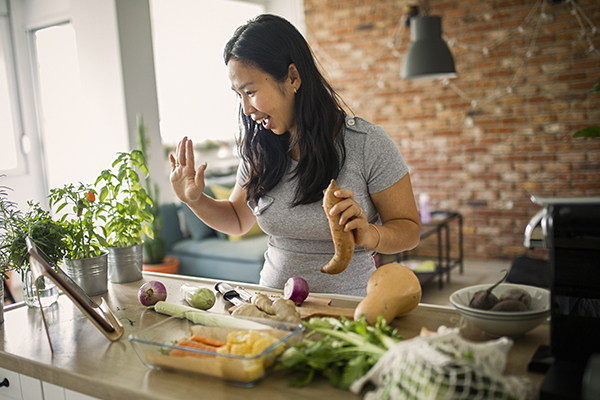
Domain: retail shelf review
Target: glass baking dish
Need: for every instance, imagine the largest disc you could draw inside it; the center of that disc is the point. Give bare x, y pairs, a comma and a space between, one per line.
157, 346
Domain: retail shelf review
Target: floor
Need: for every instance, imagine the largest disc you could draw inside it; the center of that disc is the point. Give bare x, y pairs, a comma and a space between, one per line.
475, 272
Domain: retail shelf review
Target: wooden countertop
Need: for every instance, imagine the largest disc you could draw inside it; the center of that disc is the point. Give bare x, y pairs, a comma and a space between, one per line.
85, 361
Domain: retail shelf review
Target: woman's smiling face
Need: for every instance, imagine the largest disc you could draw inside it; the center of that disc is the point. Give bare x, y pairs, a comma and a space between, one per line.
263, 98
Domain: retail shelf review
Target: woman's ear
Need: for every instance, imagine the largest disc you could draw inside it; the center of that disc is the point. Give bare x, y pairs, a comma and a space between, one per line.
294, 77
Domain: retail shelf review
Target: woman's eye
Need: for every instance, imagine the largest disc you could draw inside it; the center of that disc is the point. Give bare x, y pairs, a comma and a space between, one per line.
249, 93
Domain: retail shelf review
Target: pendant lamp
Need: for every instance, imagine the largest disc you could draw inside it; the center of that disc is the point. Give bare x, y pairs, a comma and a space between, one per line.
428, 56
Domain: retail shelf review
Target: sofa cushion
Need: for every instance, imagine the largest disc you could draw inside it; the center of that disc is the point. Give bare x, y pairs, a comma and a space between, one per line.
248, 250
197, 229
170, 229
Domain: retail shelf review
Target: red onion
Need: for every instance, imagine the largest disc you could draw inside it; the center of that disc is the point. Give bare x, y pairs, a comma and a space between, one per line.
296, 289
152, 292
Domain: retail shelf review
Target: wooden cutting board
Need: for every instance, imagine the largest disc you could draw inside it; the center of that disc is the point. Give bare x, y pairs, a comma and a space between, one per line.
315, 306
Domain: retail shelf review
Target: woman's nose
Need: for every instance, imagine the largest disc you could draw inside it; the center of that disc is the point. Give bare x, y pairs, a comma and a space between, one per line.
247, 107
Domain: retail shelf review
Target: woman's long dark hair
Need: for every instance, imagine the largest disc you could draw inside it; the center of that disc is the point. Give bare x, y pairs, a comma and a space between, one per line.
271, 44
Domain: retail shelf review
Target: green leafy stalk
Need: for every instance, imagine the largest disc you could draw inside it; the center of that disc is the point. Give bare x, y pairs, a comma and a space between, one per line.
344, 351
154, 247
123, 201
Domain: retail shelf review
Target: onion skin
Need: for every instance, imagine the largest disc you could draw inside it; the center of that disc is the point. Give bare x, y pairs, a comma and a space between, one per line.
151, 293
296, 289
343, 241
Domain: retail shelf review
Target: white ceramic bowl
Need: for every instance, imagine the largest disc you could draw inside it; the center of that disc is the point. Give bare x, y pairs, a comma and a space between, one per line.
503, 323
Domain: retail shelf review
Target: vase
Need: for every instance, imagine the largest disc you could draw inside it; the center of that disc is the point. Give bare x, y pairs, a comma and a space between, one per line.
43, 286
125, 263
91, 274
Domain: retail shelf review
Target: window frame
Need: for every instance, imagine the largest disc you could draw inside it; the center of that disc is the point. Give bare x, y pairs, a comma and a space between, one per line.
6, 42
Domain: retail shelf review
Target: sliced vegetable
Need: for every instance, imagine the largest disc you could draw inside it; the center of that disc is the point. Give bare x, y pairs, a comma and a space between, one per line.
296, 289
206, 318
194, 345
152, 292
207, 340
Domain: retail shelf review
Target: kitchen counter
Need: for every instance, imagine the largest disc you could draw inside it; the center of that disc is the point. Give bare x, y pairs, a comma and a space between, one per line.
85, 361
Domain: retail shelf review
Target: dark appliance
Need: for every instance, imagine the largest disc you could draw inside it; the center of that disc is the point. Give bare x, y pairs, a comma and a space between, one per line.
570, 230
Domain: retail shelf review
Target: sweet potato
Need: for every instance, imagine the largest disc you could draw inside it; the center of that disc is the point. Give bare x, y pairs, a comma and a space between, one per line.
393, 290
343, 241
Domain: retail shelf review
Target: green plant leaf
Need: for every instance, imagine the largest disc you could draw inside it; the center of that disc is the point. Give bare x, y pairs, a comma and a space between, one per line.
590, 131
148, 231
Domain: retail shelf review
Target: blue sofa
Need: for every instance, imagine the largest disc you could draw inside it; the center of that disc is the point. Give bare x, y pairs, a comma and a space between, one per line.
204, 252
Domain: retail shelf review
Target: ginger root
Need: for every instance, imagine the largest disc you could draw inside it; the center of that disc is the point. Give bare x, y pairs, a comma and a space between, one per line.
263, 307
285, 310
250, 310
263, 303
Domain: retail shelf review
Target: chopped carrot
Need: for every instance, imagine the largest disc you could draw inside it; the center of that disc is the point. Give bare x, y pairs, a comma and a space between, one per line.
208, 340
194, 345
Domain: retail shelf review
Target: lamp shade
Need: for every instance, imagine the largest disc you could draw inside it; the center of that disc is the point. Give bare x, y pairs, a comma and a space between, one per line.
428, 56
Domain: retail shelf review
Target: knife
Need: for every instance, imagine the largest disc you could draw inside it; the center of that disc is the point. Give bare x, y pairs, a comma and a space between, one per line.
229, 293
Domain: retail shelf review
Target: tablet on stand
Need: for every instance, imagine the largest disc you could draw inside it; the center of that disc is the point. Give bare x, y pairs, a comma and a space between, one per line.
99, 314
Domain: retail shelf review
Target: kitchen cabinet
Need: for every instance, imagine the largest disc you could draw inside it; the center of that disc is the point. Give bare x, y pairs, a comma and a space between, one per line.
11, 389
31, 388
23, 387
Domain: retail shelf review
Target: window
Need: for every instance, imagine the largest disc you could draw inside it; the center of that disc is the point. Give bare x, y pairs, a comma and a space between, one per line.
194, 95
11, 156
60, 103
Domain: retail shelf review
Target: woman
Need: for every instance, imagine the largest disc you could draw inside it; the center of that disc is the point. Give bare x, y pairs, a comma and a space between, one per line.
294, 138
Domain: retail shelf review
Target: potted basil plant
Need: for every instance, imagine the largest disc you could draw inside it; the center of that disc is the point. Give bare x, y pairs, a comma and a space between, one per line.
125, 215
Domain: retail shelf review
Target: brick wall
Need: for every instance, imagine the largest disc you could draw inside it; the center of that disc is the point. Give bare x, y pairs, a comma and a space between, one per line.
482, 143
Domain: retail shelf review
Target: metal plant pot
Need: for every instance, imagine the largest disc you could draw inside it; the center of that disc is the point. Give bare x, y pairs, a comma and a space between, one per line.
90, 273
125, 263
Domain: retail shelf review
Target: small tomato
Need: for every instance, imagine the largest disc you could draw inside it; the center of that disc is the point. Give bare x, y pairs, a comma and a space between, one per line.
91, 197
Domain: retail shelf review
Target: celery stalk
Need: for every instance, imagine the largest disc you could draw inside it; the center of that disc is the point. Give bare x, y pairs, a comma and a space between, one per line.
206, 318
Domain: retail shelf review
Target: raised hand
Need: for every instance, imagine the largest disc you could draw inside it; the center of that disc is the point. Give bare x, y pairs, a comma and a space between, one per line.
187, 183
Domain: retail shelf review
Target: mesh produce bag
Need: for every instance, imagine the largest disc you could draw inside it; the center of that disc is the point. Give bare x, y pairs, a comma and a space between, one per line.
444, 366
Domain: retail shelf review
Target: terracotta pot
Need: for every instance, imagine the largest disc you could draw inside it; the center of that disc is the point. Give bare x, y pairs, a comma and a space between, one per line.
170, 265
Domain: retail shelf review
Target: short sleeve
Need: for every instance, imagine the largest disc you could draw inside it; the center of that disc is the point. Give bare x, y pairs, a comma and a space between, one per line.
242, 173
384, 164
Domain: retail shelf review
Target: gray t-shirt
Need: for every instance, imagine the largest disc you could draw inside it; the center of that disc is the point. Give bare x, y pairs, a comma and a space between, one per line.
300, 241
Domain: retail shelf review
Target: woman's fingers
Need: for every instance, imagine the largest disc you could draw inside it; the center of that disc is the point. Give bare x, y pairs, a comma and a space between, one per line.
189, 155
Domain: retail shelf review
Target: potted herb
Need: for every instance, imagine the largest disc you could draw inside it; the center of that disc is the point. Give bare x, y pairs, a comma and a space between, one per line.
48, 235
155, 253
87, 259
125, 215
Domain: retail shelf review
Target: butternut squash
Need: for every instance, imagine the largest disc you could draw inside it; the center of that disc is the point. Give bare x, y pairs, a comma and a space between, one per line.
393, 290
343, 241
